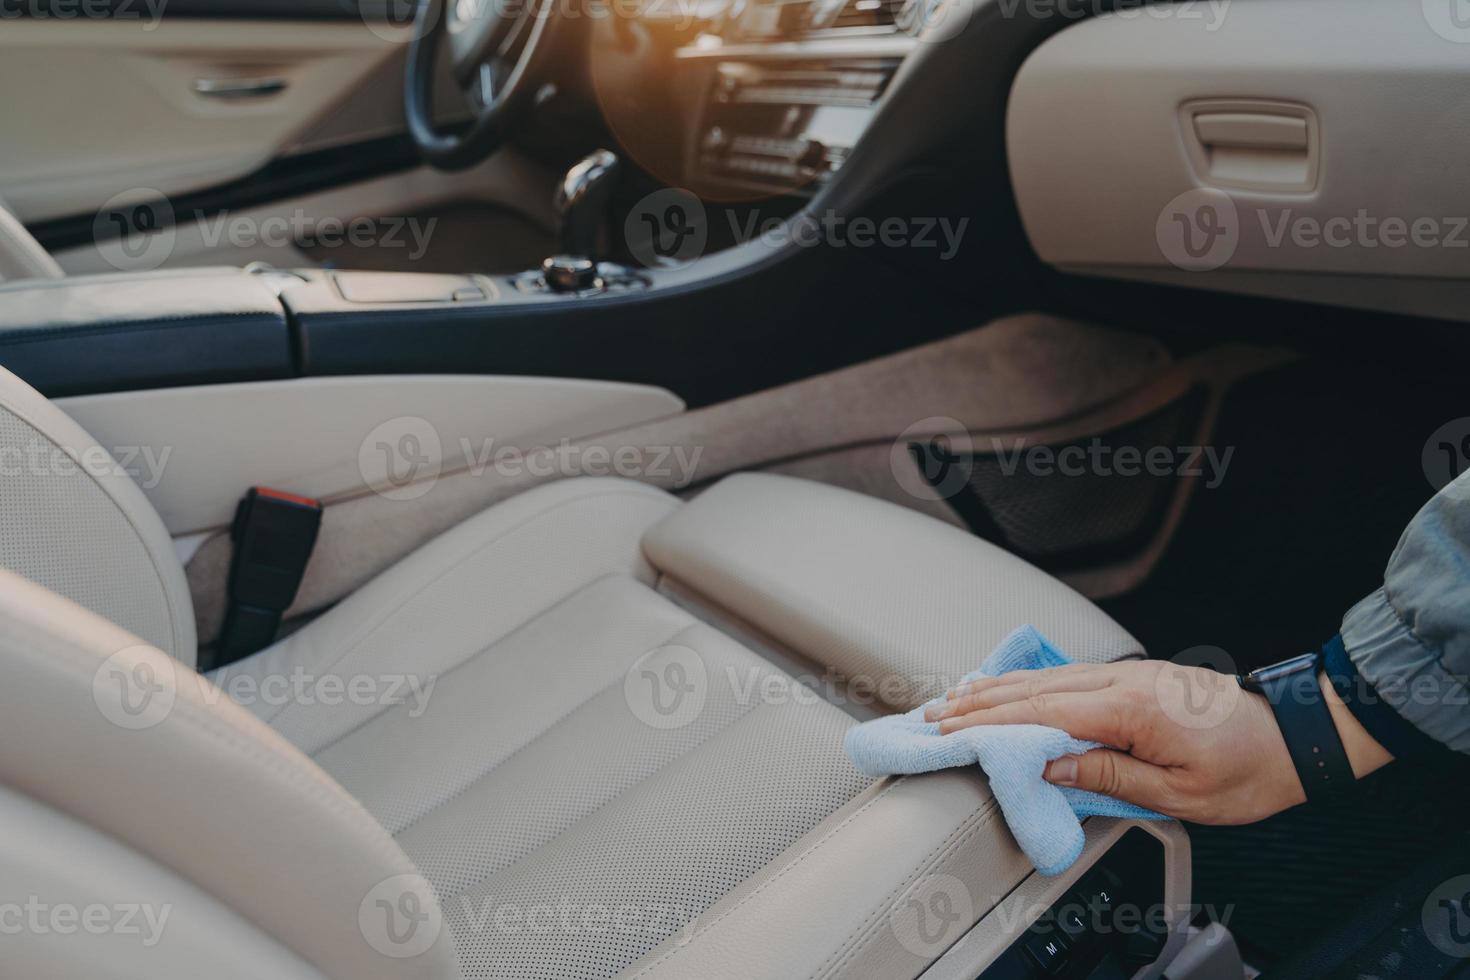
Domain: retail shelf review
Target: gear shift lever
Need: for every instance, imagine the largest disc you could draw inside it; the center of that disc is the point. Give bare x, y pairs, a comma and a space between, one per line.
582, 199
581, 205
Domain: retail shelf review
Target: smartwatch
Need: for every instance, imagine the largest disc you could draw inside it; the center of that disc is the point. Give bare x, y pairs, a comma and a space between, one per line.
1306, 723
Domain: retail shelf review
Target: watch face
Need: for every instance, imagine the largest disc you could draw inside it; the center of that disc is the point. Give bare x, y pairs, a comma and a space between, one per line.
1307, 661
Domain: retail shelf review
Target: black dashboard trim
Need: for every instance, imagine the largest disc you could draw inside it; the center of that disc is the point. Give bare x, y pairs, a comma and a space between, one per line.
209, 349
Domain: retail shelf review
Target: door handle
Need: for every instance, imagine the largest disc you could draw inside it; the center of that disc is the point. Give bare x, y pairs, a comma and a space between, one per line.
239, 88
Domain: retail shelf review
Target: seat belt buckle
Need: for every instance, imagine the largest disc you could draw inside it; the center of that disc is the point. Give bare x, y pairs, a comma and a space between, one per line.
274, 533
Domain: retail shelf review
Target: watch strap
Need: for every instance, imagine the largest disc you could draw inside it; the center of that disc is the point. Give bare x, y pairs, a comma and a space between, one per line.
1302, 713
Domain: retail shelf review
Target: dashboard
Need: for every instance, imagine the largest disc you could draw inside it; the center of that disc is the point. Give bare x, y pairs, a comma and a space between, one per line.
775, 93
1092, 140
793, 88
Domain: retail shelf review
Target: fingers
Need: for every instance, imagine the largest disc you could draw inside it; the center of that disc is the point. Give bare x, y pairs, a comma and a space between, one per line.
1114, 774
976, 696
1022, 676
1099, 717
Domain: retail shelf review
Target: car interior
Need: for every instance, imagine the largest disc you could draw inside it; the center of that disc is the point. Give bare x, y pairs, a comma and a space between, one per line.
465, 465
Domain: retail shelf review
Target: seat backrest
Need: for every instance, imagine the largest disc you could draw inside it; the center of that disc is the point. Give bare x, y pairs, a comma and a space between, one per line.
74, 521
129, 775
21, 256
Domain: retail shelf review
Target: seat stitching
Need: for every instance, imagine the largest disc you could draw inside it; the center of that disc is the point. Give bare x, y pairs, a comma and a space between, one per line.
537, 736
749, 712
972, 824
506, 637
388, 613
383, 617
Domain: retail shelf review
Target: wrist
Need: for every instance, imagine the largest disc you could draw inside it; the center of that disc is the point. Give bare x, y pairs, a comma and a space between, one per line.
1363, 752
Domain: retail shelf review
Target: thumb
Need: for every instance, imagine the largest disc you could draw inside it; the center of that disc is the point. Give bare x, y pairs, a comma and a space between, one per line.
1112, 773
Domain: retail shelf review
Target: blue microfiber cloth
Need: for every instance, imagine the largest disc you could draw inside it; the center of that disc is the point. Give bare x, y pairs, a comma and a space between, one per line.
1043, 817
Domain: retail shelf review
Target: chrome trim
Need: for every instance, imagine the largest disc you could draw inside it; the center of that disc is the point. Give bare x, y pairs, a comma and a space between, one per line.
239, 88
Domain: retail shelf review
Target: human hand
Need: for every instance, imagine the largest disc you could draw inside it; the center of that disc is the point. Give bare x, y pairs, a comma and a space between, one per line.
1187, 741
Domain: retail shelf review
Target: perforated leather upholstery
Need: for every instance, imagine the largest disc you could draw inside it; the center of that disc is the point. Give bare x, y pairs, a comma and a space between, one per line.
74, 521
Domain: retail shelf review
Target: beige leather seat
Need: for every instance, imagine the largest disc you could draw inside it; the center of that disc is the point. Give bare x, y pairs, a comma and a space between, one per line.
575, 747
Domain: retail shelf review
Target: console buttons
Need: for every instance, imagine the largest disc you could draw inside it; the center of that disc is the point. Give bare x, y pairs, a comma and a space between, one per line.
1072, 920
1099, 888
1047, 951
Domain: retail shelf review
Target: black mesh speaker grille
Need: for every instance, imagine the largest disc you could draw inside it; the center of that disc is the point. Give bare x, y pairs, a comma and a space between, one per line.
1066, 506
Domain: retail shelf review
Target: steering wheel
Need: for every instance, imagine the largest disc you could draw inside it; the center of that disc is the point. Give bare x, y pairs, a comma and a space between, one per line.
496, 48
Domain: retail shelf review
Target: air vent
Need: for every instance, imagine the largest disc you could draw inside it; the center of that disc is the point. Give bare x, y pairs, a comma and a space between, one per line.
858, 84
868, 15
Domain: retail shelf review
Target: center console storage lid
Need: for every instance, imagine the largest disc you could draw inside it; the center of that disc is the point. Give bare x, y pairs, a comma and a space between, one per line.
131, 330
879, 593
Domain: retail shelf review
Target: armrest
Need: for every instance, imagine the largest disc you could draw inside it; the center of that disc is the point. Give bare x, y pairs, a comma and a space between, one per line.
878, 593
143, 330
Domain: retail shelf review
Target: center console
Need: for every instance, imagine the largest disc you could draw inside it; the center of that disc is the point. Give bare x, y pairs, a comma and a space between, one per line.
794, 84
